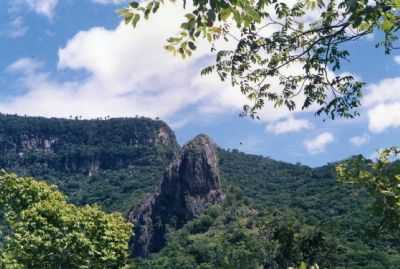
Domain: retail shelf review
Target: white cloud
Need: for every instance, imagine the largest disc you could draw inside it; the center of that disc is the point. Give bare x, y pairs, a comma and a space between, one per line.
383, 92
359, 140
27, 66
384, 116
383, 105
319, 143
16, 12
41, 7
44, 7
288, 125
130, 73
397, 59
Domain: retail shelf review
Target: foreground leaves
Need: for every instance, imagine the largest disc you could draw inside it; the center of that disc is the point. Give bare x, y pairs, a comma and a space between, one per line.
47, 232
272, 38
382, 180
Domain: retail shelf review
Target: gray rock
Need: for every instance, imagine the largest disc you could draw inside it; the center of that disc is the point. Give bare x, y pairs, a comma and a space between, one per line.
190, 184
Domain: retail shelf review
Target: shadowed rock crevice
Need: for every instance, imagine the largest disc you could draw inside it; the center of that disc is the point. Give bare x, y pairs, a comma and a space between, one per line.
190, 184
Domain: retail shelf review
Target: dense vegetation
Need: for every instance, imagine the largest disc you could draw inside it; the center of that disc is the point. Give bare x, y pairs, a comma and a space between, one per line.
111, 162
97, 162
44, 231
382, 180
233, 235
314, 197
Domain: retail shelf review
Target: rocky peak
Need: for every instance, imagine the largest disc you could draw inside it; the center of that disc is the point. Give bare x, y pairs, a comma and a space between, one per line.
189, 185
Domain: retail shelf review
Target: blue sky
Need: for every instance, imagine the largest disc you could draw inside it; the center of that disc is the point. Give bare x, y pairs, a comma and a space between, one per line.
68, 58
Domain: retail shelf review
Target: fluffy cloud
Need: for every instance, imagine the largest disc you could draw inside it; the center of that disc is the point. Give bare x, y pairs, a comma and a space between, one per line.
319, 143
129, 73
383, 105
359, 140
384, 116
397, 59
289, 125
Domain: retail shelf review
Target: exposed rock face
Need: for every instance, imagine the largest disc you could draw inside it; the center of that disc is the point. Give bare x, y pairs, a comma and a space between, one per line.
82, 146
189, 185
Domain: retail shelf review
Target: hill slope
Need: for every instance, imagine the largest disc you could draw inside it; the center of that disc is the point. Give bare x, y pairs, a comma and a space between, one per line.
111, 162
117, 162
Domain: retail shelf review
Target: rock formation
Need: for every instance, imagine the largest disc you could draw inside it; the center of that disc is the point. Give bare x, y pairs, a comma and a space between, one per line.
189, 185
83, 146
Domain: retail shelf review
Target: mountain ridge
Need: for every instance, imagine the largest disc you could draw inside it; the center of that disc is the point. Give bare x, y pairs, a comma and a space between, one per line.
310, 194
93, 161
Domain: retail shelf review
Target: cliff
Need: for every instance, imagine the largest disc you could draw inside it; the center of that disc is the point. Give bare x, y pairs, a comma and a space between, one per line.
189, 185
111, 162
84, 146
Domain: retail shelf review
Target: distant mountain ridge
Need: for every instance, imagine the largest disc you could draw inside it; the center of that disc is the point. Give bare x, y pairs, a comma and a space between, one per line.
95, 144
116, 163
93, 161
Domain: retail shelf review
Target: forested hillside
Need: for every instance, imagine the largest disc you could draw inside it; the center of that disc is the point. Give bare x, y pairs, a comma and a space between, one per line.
117, 162
111, 162
314, 197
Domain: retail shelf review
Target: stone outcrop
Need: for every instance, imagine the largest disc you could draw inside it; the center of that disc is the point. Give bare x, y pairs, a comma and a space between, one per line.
83, 146
189, 185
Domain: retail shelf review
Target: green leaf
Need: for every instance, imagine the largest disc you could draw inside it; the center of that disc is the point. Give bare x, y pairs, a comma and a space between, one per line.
225, 14
190, 16
387, 25
396, 3
135, 20
191, 45
156, 7
134, 5
128, 18
124, 12
303, 265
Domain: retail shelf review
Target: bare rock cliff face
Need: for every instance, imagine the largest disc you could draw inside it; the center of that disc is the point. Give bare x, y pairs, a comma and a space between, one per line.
190, 184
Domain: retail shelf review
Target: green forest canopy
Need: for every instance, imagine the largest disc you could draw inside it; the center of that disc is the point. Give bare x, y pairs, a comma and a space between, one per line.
307, 201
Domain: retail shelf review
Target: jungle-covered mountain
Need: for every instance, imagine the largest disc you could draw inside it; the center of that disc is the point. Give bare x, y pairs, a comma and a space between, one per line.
110, 162
116, 163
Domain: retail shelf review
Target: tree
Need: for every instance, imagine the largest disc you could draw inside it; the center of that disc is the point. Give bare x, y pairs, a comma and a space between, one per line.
382, 180
273, 35
44, 231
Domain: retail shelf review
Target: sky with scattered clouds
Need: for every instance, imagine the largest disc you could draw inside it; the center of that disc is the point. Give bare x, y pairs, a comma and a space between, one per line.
75, 58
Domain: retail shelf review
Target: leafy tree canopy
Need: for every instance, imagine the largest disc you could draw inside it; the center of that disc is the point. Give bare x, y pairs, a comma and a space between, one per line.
382, 180
233, 235
274, 35
44, 231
